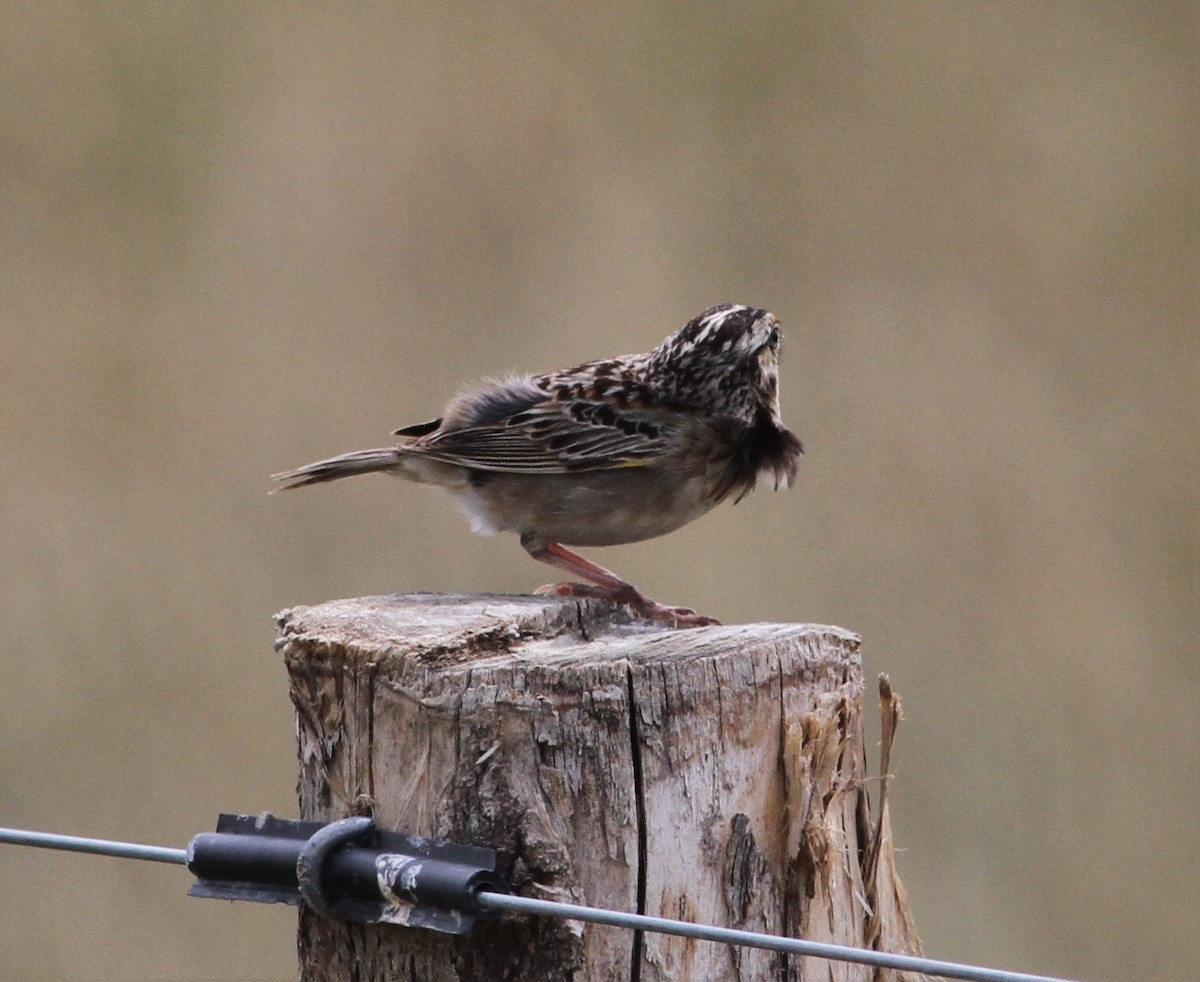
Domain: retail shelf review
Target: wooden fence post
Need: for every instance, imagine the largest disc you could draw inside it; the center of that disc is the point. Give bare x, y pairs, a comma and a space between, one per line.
715, 775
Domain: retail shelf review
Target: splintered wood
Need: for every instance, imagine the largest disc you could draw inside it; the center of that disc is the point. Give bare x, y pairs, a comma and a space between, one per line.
713, 775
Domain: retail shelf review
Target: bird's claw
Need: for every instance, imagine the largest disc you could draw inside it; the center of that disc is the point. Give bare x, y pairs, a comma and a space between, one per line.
574, 590
677, 617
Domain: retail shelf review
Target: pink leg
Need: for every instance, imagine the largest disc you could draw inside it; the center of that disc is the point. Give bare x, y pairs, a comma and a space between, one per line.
609, 586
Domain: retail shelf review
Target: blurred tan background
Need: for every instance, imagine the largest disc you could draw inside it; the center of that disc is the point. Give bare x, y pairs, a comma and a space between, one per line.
238, 237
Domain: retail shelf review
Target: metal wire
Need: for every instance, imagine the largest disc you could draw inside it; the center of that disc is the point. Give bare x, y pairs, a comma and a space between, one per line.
97, 847
793, 946
594, 915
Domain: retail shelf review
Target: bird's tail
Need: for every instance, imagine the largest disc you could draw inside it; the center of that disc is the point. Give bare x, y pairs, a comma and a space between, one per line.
335, 468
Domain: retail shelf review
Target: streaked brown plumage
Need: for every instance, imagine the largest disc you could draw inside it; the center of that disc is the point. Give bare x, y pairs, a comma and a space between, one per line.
612, 451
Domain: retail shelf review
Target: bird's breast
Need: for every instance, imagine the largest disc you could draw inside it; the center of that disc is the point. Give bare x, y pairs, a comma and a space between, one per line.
592, 508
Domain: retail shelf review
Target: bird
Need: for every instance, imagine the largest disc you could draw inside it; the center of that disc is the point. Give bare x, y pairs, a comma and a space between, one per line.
605, 453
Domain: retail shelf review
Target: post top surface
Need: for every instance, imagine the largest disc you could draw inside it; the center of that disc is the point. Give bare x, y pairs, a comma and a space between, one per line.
482, 628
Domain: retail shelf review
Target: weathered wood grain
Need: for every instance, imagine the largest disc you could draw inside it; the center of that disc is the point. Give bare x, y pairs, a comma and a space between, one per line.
714, 775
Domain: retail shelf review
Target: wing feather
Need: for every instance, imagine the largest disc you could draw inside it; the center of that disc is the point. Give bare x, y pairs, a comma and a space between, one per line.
554, 437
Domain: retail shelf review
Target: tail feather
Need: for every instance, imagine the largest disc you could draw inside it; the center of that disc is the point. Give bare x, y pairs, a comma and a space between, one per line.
335, 468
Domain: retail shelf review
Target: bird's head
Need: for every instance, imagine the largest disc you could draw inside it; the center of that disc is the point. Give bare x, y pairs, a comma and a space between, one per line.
725, 360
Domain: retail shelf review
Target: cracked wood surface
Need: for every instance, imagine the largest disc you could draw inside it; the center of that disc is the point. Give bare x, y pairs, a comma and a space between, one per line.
714, 775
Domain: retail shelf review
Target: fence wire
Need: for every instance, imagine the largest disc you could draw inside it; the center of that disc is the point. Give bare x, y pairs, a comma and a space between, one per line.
593, 915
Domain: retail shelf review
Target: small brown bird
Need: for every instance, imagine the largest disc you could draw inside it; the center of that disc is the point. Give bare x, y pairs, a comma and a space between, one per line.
605, 453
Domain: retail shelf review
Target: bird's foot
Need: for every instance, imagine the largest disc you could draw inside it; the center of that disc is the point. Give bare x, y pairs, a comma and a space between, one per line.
677, 617
674, 616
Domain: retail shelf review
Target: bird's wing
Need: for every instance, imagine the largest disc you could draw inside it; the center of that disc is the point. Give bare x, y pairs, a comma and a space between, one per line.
553, 437
418, 429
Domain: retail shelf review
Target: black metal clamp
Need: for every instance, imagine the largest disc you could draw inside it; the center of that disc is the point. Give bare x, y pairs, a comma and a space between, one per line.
349, 870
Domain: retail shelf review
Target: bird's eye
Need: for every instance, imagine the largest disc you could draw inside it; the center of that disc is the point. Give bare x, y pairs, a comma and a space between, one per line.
773, 339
